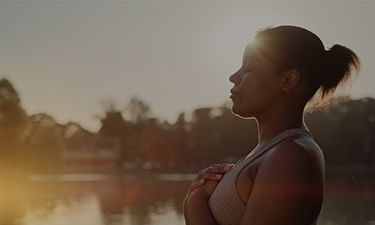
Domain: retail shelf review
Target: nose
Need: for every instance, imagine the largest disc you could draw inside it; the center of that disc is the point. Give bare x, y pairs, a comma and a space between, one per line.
235, 78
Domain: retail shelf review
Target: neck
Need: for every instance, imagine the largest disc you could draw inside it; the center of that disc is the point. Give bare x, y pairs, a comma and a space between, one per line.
273, 124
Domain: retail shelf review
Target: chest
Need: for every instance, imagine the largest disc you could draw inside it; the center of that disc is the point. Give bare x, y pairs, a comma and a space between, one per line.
246, 179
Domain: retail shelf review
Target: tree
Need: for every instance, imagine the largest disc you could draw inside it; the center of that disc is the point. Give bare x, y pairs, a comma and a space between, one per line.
179, 141
236, 136
13, 123
217, 135
114, 125
154, 144
45, 144
137, 111
72, 130
345, 130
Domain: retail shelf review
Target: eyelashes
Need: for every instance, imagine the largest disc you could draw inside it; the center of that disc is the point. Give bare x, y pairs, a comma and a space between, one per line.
248, 68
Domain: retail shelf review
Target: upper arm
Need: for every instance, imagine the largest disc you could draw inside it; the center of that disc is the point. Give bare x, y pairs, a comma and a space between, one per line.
288, 185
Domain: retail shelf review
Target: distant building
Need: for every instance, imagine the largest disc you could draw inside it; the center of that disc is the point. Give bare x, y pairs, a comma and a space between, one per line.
91, 154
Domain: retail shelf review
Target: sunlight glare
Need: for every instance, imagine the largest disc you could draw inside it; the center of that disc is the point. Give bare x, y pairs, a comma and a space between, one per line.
233, 31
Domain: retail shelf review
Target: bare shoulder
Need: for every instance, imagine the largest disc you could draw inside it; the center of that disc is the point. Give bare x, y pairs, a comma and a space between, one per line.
296, 164
297, 153
289, 184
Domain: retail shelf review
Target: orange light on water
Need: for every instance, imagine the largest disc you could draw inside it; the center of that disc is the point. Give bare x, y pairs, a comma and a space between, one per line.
131, 192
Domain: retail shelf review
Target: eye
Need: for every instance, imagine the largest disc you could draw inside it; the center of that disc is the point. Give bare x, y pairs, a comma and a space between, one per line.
249, 67
248, 70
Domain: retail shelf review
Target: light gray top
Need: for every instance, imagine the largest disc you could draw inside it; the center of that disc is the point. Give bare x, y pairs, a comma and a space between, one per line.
226, 205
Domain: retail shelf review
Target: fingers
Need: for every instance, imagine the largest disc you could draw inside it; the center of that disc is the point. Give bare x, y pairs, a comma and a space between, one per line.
197, 184
209, 176
214, 172
219, 168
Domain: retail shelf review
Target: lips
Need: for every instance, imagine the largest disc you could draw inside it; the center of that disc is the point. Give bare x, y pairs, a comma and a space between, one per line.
234, 93
233, 90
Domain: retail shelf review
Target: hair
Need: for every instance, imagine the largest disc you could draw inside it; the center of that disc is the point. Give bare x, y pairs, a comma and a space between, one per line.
322, 71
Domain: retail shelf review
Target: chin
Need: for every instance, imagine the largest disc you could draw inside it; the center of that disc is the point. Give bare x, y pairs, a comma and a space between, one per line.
244, 114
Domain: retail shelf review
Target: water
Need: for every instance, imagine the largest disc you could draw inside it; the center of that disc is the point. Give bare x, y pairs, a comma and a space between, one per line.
153, 200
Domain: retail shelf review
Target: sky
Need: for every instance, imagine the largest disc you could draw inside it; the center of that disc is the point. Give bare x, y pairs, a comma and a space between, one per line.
65, 57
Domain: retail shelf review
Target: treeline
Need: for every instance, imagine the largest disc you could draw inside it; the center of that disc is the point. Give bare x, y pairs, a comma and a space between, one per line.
345, 130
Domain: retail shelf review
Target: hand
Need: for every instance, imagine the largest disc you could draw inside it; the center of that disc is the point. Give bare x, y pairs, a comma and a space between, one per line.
196, 208
211, 175
214, 173
204, 192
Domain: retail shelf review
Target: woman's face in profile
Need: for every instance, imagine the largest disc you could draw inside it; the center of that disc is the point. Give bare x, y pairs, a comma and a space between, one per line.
256, 84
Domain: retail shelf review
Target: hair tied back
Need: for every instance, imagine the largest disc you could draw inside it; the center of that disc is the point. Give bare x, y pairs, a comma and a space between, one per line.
340, 64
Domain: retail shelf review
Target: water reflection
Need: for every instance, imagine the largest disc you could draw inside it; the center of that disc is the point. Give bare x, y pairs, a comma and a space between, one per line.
13, 198
134, 200
84, 210
115, 200
350, 198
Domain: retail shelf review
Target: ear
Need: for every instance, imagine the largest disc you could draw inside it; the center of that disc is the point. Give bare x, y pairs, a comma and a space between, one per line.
292, 77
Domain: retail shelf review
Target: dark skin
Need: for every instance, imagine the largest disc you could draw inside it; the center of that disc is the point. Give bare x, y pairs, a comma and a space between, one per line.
208, 177
285, 185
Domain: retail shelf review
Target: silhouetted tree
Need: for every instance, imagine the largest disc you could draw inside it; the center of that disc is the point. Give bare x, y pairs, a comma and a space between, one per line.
354, 132
114, 125
72, 130
45, 144
155, 146
13, 123
128, 131
236, 136
219, 136
346, 131
201, 140
179, 141
137, 111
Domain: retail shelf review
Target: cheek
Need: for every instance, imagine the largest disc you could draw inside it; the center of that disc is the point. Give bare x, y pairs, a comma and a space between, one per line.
253, 101
243, 106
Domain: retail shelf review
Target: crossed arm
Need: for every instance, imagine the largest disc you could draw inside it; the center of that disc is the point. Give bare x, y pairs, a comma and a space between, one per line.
196, 209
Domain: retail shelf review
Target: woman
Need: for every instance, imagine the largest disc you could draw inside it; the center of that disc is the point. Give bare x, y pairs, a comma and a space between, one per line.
282, 180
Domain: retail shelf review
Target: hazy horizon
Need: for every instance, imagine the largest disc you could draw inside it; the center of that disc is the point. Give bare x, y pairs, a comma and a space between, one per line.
65, 57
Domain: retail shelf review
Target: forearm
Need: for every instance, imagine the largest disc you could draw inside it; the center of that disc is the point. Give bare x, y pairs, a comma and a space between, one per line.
196, 208
200, 215
197, 212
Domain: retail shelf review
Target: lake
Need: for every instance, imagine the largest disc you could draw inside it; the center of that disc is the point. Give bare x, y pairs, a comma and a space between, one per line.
96, 199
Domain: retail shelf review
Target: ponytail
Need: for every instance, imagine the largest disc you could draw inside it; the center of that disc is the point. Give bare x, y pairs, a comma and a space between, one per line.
340, 65
322, 72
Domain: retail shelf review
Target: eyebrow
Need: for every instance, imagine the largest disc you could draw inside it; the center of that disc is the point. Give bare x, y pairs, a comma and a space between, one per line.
251, 59
253, 54
267, 56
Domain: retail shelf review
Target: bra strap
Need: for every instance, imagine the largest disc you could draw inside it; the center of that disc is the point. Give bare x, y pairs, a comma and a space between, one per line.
260, 149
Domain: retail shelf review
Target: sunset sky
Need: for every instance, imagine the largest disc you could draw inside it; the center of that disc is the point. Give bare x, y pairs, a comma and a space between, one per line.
64, 57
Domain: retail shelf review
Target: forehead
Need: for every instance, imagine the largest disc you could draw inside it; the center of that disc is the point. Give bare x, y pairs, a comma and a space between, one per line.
252, 53
262, 51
